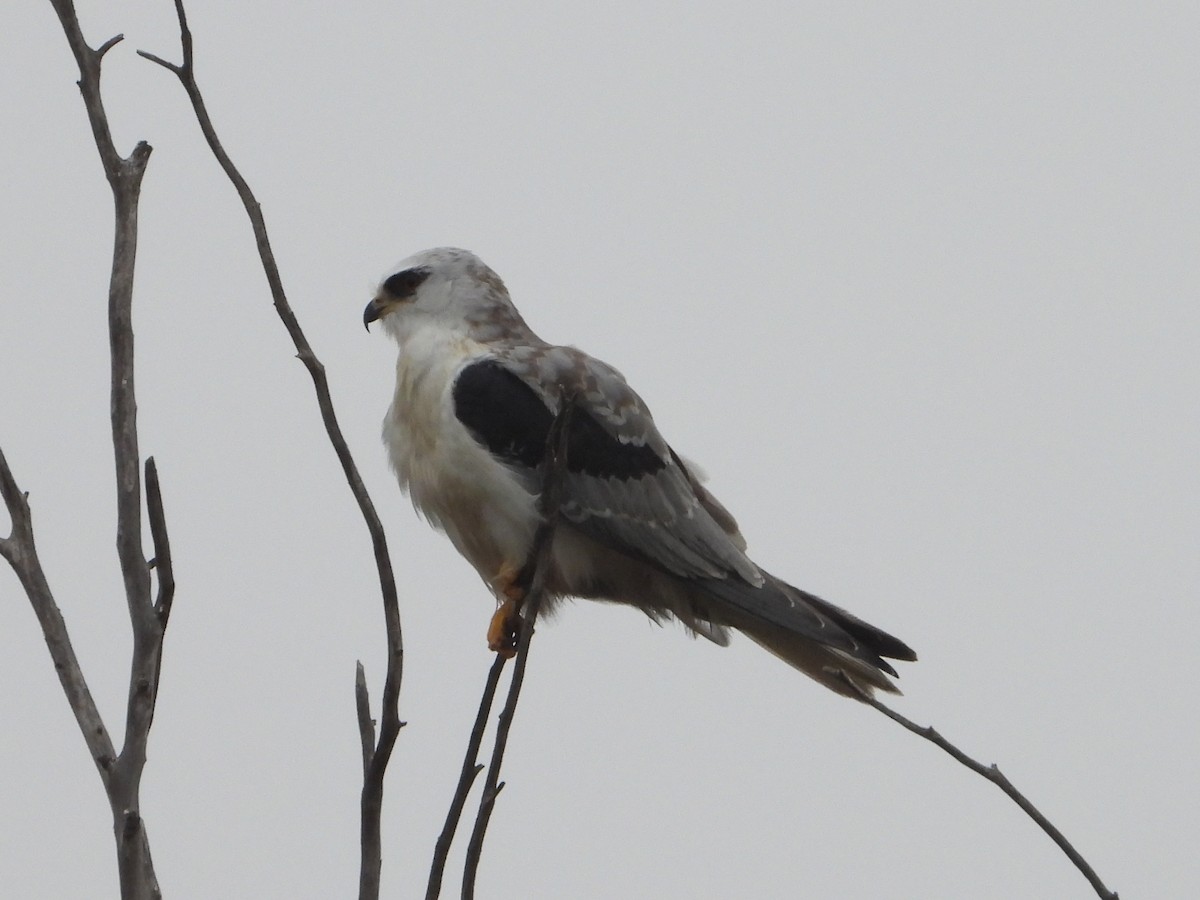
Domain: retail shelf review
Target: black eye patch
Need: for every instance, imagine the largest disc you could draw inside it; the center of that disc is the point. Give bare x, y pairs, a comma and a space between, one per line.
404, 284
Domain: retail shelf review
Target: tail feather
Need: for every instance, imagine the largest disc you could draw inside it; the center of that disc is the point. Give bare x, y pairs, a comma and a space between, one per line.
822, 640
876, 638
837, 670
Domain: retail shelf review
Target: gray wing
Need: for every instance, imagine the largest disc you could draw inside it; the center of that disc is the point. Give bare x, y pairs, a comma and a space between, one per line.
625, 487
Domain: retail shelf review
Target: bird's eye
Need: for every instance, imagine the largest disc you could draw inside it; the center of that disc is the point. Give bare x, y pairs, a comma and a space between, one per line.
404, 284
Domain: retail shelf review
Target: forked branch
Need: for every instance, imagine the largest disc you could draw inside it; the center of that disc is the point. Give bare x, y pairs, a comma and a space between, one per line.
19, 550
533, 577
121, 772
471, 767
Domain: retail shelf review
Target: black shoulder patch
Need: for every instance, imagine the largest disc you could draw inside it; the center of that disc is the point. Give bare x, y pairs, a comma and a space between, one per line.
405, 282
511, 421
502, 413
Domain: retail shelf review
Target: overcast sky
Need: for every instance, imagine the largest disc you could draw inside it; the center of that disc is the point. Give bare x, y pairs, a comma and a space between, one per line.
916, 283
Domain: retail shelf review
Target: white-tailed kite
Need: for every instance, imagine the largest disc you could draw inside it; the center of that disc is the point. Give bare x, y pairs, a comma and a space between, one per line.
476, 393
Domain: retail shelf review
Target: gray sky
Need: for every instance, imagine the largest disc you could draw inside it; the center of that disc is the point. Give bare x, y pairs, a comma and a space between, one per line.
916, 283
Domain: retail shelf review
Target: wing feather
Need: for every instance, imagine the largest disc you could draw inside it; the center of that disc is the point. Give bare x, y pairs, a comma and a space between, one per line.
626, 488
628, 491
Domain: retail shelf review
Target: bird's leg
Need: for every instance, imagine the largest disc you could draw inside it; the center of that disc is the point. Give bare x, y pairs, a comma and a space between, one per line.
505, 626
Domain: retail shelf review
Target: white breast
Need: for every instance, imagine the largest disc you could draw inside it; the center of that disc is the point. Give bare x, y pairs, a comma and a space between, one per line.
451, 479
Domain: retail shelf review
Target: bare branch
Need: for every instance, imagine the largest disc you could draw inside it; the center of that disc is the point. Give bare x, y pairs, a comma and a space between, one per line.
162, 545
21, 553
17, 503
366, 725
534, 573
121, 774
466, 778
103, 49
993, 774
390, 724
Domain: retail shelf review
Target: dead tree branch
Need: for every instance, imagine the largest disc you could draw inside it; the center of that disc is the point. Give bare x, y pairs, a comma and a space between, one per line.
19, 550
161, 563
390, 724
471, 767
121, 773
993, 774
534, 574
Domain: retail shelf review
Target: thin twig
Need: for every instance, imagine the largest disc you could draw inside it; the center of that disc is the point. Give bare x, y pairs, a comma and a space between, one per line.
466, 778
163, 566
389, 723
366, 725
536, 570
993, 774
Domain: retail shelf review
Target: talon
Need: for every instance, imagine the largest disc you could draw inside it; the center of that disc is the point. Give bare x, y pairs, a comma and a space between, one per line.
504, 629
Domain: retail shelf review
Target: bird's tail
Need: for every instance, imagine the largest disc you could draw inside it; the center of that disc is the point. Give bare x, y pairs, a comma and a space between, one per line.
836, 669
823, 641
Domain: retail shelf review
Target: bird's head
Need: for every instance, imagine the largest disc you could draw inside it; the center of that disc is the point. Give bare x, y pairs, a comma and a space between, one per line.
446, 288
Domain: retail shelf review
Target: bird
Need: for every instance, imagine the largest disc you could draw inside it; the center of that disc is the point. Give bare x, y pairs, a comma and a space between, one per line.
477, 392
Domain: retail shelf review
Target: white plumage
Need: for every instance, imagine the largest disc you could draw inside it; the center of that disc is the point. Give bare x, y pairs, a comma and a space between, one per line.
450, 477
476, 391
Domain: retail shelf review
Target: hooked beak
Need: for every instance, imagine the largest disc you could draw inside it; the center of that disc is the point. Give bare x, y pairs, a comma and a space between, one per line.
375, 310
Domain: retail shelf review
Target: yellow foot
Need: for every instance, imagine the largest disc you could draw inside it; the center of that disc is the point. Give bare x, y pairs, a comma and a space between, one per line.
505, 626
504, 629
